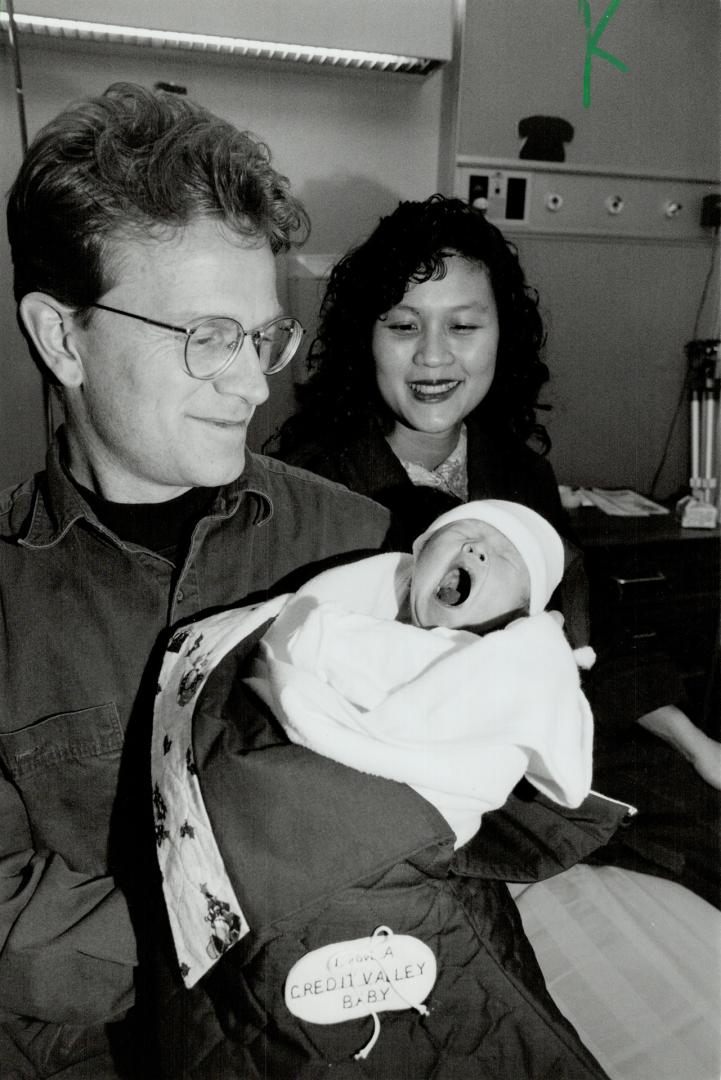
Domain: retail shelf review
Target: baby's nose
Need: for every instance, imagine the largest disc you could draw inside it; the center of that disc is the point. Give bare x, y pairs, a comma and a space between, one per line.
477, 548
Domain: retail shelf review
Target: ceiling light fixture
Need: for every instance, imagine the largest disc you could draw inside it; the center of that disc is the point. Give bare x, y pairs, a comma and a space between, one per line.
232, 46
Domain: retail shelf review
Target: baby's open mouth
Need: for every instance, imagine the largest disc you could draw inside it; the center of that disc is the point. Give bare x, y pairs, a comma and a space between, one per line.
455, 587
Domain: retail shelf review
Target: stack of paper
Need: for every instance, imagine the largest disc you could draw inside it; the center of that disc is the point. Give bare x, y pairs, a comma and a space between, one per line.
619, 502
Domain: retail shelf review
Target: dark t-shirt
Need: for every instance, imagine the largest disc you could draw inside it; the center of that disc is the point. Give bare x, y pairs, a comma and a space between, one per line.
163, 527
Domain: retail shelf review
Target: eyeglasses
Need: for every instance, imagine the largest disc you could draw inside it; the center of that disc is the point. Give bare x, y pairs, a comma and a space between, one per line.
212, 344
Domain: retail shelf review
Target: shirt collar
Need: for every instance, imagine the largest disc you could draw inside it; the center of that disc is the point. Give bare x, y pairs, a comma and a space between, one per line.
58, 504
252, 481
452, 473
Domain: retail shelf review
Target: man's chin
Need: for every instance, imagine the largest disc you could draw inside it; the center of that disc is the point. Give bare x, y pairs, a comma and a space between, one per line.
219, 473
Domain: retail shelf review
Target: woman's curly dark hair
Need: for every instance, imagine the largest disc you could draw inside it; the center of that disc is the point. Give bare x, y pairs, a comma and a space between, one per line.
407, 247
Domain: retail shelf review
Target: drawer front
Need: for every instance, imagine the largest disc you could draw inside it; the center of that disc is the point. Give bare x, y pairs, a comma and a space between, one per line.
655, 595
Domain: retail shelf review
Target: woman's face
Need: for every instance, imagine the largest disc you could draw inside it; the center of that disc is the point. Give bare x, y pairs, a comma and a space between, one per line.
435, 351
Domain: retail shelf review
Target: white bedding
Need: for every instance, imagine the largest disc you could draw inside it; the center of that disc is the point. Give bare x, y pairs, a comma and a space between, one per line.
634, 962
458, 716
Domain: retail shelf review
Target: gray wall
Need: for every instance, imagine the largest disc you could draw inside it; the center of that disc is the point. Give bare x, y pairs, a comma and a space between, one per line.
526, 56
618, 315
619, 309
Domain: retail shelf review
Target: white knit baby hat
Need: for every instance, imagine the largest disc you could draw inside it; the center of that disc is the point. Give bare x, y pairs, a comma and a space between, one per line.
536, 541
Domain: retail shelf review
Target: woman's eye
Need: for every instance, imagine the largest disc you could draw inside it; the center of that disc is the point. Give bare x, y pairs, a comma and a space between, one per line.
464, 328
402, 327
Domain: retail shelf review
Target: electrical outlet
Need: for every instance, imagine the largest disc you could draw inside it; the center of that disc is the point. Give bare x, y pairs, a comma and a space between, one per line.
711, 211
502, 195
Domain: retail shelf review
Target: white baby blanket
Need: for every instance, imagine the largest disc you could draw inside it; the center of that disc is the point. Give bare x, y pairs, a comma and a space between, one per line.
460, 718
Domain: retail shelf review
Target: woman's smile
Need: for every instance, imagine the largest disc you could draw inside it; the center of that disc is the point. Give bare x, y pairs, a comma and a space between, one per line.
435, 353
433, 391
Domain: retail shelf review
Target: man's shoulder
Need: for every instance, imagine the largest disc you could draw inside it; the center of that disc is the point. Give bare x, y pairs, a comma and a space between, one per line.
16, 503
282, 477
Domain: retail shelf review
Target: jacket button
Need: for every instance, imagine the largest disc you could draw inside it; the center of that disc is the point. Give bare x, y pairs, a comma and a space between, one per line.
179, 596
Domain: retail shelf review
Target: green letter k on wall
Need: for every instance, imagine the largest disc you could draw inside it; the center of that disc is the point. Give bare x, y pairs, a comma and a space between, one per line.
592, 39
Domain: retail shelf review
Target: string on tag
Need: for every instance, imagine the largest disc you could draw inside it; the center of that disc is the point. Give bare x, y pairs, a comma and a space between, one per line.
371, 1042
385, 931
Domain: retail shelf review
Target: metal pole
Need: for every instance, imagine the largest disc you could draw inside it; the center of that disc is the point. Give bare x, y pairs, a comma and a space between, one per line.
18, 77
20, 100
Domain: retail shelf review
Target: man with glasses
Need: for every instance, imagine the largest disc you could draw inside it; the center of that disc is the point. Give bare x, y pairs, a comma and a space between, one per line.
144, 232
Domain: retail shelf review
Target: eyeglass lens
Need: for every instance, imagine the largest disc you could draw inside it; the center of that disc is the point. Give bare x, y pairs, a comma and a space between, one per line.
215, 341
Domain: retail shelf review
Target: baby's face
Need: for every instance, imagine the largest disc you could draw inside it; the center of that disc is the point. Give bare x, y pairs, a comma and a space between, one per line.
467, 574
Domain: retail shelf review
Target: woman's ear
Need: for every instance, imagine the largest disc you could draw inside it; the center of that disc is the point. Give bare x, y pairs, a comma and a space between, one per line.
48, 323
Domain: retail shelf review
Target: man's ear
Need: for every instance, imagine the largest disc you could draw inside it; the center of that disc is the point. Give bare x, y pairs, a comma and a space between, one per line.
49, 325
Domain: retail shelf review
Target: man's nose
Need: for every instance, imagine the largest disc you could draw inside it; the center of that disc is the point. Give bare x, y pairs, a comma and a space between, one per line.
245, 377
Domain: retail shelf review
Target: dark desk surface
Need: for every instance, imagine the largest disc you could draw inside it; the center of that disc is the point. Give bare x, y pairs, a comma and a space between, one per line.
593, 528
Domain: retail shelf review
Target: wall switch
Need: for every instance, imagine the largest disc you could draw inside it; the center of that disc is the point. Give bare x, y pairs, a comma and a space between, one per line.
711, 211
502, 195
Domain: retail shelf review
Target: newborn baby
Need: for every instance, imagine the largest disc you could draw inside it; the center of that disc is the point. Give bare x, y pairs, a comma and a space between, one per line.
373, 664
483, 564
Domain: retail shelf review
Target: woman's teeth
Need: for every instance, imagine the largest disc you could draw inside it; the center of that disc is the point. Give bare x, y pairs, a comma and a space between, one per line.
432, 390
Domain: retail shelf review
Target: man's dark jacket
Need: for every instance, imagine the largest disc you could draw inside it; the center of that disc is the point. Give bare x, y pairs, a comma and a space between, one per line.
319, 854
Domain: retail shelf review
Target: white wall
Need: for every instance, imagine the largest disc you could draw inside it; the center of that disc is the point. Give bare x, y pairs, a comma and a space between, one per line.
352, 143
619, 310
618, 315
525, 57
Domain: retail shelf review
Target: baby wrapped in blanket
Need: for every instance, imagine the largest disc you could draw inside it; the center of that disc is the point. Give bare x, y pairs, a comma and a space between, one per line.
441, 670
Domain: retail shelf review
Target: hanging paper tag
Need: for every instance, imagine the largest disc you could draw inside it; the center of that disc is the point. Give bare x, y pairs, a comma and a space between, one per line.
351, 979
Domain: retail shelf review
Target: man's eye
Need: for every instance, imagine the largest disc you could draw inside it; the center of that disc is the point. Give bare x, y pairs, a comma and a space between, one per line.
206, 337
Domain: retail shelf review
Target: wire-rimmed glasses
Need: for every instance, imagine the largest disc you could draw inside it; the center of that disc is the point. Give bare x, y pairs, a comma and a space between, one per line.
212, 344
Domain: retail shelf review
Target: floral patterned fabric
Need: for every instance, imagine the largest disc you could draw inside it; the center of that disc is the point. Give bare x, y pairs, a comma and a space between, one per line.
450, 476
205, 916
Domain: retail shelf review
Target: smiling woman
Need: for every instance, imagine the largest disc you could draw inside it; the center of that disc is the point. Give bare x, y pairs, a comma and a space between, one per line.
435, 358
427, 371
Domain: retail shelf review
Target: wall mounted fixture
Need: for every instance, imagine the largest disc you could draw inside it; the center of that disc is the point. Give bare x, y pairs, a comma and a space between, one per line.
614, 204
304, 32
501, 194
562, 199
671, 208
553, 201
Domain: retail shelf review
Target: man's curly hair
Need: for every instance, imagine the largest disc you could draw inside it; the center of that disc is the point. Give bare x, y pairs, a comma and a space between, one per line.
407, 247
129, 164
